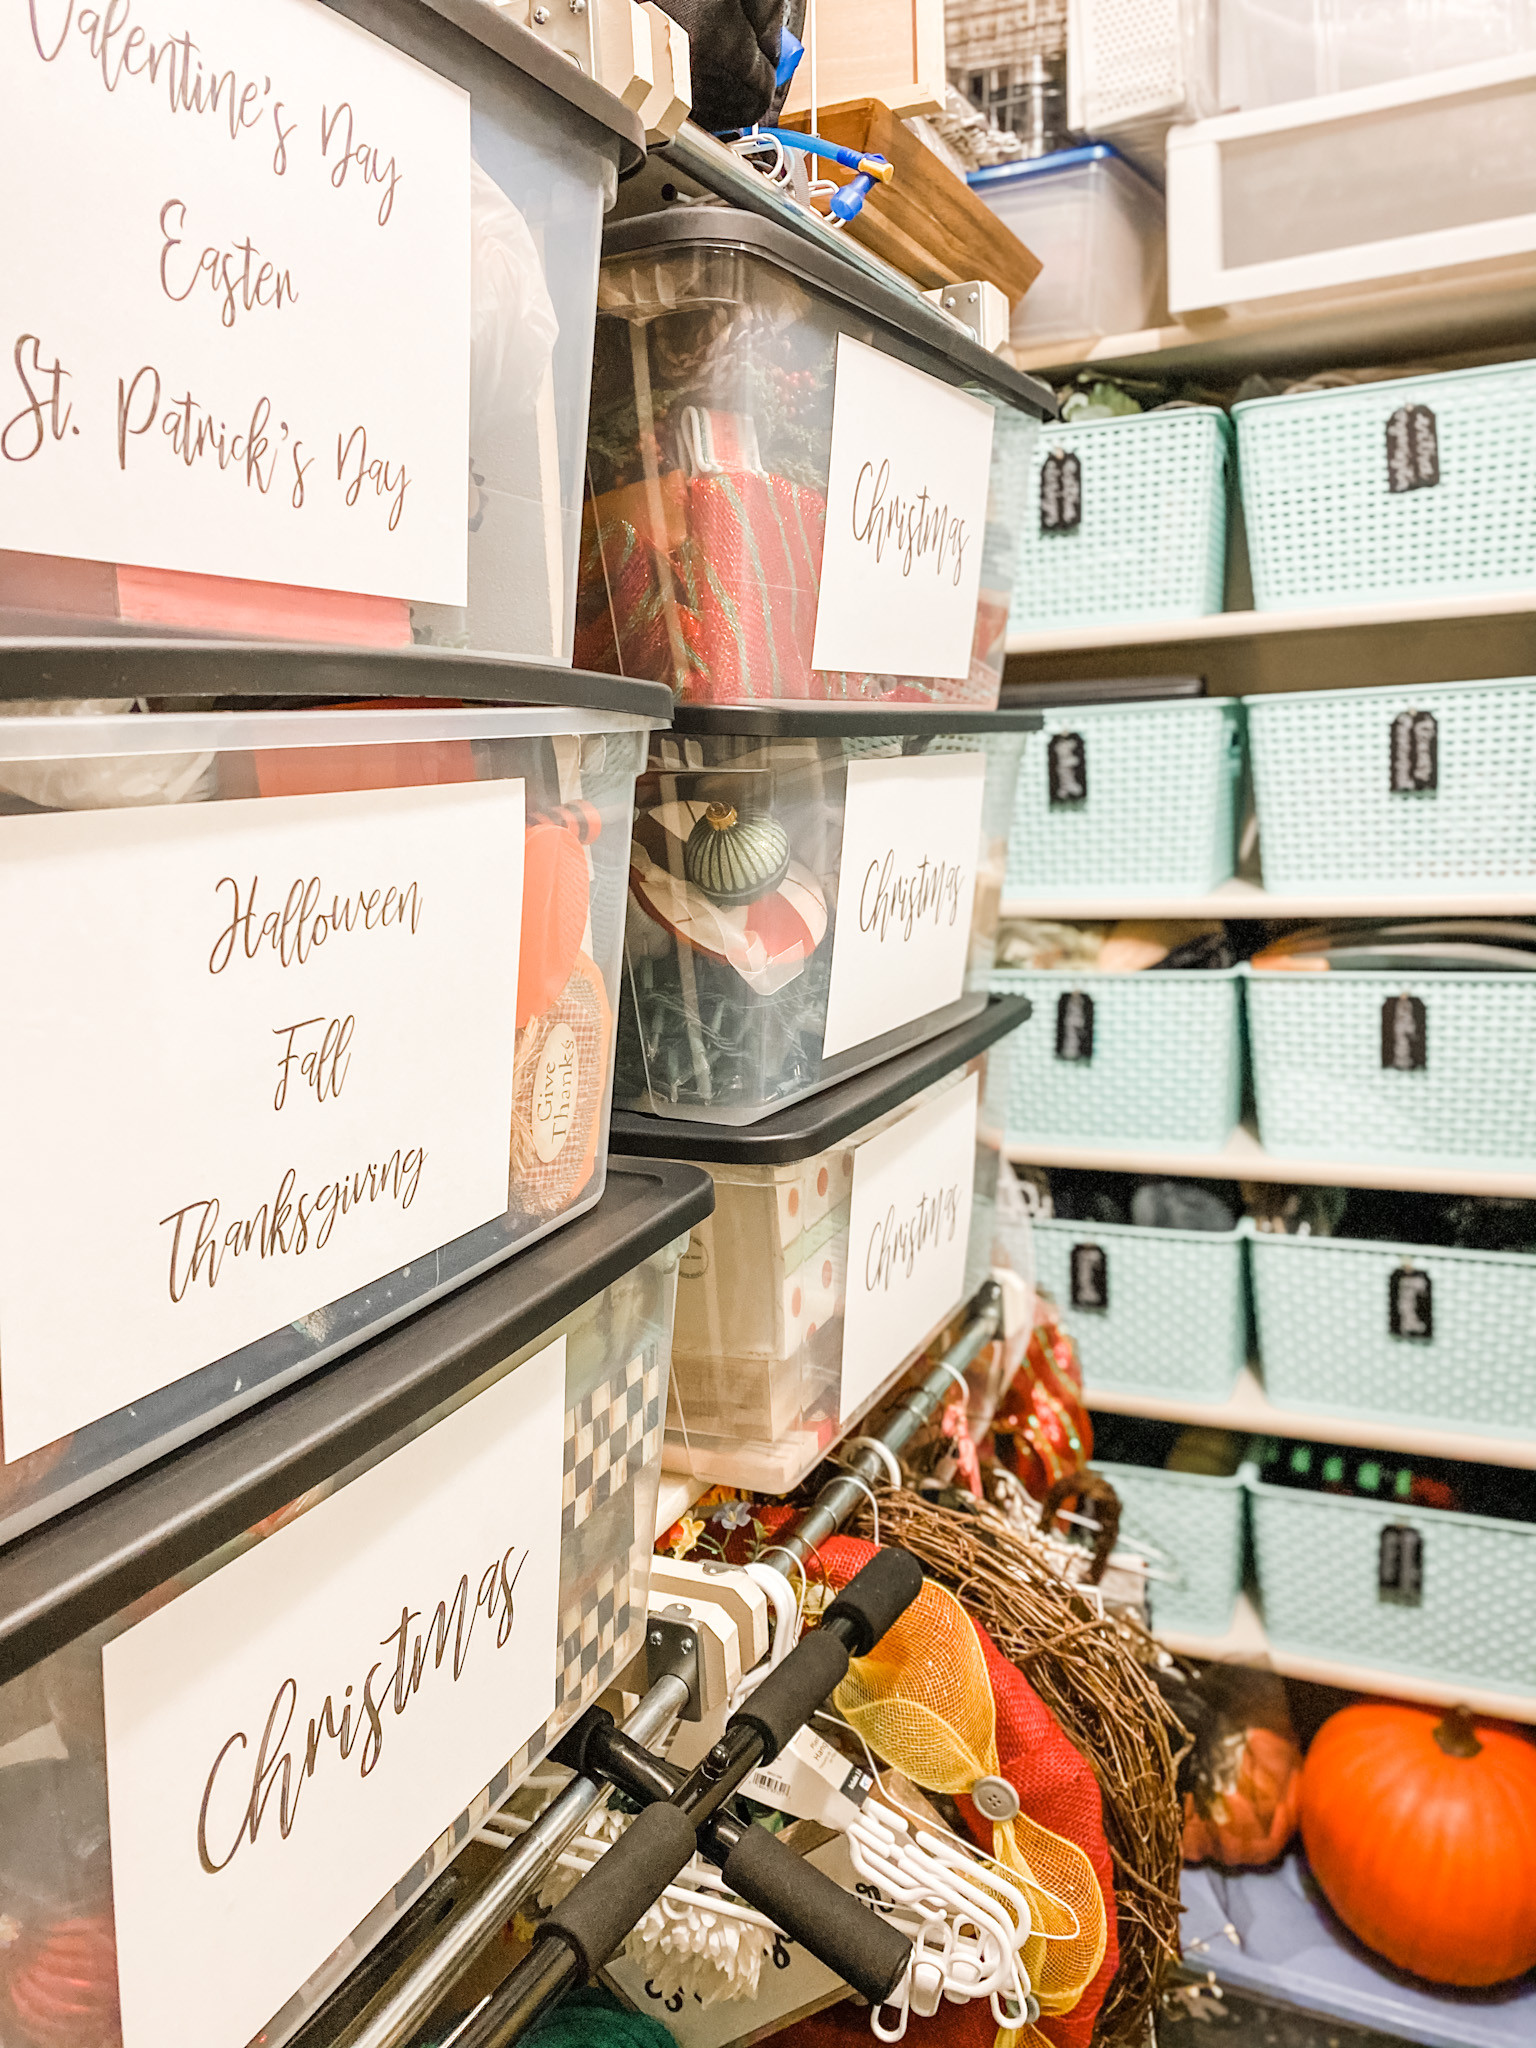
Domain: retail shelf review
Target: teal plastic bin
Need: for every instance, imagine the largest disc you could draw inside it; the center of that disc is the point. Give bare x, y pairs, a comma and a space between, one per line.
1191, 1525
1151, 537
1160, 812
1318, 1558
1165, 1066
1330, 770
1465, 1361
1418, 487
1323, 1091
1174, 1318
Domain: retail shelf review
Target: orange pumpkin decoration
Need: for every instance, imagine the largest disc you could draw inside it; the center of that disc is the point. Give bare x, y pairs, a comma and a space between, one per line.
1421, 1830
1249, 1811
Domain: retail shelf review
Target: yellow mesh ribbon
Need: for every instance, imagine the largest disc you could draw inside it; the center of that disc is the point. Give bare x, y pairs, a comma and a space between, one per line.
923, 1703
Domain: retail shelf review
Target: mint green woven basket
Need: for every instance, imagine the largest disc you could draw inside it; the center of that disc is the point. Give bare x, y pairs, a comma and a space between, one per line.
1325, 529
1166, 1066
1322, 1307
1176, 1321
1161, 809
1330, 821
1192, 1527
1152, 539
1317, 1558
1322, 1090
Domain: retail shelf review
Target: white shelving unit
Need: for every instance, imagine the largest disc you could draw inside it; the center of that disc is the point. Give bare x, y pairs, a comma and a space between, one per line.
1250, 1412
1240, 899
1245, 1642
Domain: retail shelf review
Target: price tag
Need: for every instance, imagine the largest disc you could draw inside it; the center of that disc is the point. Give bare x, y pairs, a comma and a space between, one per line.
1413, 450
811, 1780
1414, 758
1404, 1034
1090, 1276
1400, 1566
1411, 1304
1074, 1026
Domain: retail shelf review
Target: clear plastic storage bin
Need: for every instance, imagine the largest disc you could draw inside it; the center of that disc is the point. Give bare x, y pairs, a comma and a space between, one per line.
1273, 51
1415, 791
445, 179
314, 1011
721, 344
412, 1573
812, 888
795, 1311
1097, 226
1158, 812
1148, 534
1409, 489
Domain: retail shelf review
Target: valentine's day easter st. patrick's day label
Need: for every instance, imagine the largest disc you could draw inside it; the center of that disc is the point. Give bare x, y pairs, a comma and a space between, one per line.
286, 1738
234, 308
908, 1225
255, 1055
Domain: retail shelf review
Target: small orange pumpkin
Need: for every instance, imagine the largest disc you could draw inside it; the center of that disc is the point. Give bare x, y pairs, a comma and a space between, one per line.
1248, 1813
1420, 1828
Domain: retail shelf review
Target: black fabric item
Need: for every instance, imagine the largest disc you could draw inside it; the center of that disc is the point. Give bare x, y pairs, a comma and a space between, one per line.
733, 54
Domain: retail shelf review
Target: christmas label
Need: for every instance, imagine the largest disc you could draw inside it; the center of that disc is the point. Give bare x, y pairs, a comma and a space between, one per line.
907, 493
286, 1738
270, 1042
234, 309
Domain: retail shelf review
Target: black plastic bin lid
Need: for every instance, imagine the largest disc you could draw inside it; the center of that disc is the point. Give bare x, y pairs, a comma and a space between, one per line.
796, 718
62, 1579
121, 663
820, 1121
947, 349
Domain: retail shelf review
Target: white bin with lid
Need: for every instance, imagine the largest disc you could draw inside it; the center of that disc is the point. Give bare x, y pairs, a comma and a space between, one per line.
341, 392
309, 1020
254, 1702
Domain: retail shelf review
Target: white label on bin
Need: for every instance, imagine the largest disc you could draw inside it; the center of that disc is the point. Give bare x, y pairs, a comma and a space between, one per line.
906, 520
288, 1737
234, 306
906, 885
909, 1219
254, 1054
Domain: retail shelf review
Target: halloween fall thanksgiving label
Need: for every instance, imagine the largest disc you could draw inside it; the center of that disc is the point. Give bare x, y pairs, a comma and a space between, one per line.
286, 1738
906, 520
234, 307
257, 1053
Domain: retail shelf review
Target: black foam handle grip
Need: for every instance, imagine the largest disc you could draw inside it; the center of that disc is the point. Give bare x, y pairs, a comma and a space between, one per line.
623, 1885
793, 1690
874, 1598
864, 1950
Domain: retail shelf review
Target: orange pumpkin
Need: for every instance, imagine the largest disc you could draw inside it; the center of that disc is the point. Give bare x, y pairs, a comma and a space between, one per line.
1421, 1830
1249, 1811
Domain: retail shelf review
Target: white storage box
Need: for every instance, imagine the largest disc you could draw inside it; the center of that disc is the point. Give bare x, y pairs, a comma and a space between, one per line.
1272, 51
340, 393
1097, 226
847, 1231
309, 1019
1135, 66
1429, 178
254, 1701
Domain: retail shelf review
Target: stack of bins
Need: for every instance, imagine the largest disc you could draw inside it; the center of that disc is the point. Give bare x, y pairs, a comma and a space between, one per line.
820, 838
335, 1362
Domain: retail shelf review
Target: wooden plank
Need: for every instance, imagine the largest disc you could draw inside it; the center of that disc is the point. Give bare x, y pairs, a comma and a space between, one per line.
890, 50
927, 222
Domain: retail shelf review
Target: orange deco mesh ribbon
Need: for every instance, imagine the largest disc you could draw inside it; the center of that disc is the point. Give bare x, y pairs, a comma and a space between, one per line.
923, 1702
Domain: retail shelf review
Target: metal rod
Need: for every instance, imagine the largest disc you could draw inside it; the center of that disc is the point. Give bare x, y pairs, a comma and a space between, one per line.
841, 1497
546, 1973
488, 1909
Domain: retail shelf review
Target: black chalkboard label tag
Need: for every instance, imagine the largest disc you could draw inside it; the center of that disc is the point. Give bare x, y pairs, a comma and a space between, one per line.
1404, 1034
1413, 450
1414, 752
1066, 759
1090, 1276
1411, 1304
1061, 493
1074, 1026
1400, 1566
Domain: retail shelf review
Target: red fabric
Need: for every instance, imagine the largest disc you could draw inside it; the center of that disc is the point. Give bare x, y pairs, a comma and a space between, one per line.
1056, 1789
